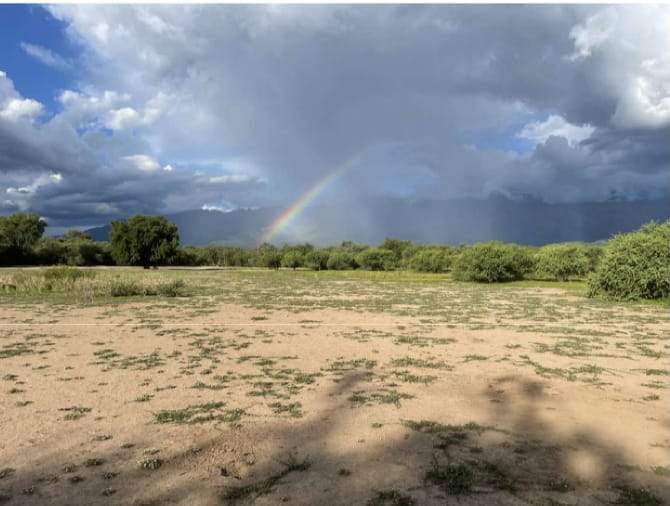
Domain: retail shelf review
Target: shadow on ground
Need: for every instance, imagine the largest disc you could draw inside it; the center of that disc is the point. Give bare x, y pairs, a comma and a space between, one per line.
513, 456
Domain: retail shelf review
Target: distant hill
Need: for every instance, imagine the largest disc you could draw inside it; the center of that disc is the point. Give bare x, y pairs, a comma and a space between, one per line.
450, 222
198, 227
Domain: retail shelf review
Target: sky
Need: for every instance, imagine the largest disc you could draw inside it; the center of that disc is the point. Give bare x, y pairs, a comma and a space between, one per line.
112, 110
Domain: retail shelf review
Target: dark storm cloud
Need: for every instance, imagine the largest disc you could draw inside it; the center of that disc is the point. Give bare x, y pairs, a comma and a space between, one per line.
250, 105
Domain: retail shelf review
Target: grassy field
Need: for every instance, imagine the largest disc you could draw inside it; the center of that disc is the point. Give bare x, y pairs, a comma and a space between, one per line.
210, 386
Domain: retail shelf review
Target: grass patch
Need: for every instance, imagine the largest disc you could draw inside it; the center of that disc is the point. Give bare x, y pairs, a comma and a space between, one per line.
431, 427
75, 412
199, 413
384, 396
293, 409
391, 498
420, 363
454, 479
637, 496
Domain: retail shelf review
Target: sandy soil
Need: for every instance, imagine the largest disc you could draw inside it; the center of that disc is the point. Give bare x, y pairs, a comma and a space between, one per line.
144, 404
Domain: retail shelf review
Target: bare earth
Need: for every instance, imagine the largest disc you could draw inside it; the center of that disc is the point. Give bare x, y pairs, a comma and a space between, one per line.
440, 392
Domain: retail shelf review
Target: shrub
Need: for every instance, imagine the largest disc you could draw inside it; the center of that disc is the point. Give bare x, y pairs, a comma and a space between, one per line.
396, 246
492, 262
430, 260
122, 288
292, 259
594, 254
562, 261
317, 260
172, 288
376, 259
129, 288
341, 260
64, 273
635, 265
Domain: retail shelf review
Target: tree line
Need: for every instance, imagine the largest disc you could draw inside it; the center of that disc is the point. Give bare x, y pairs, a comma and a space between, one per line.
635, 265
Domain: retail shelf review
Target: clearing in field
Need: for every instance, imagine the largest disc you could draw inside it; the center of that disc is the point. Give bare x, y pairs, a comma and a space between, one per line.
261, 387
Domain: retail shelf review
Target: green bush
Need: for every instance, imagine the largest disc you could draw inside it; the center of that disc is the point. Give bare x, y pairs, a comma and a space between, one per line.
65, 273
123, 288
341, 261
492, 262
174, 288
317, 260
377, 259
128, 288
430, 260
594, 254
562, 261
635, 265
292, 259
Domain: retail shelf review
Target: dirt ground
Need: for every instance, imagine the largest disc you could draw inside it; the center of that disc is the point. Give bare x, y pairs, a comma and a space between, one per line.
411, 394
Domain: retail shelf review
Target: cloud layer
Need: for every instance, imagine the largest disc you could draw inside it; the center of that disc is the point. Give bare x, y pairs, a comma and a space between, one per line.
185, 107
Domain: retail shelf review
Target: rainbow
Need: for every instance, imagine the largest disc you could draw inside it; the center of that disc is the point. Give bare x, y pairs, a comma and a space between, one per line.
299, 205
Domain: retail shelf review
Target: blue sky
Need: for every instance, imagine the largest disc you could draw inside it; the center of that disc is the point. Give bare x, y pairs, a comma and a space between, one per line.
112, 110
34, 25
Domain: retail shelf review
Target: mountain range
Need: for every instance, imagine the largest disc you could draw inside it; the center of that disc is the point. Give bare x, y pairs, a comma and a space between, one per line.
448, 221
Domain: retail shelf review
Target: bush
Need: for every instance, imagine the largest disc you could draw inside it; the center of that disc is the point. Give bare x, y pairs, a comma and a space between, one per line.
64, 273
430, 260
173, 288
396, 246
562, 261
292, 259
635, 265
341, 261
317, 260
126, 288
377, 259
492, 262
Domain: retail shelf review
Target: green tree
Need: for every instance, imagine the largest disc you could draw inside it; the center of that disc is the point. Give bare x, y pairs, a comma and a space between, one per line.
19, 232
148, 241
269, 256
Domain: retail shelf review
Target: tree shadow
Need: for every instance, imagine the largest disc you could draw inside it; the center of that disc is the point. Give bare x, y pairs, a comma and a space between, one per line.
513, 455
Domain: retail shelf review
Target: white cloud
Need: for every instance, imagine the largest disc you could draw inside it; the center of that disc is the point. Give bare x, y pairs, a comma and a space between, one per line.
105, 208
539, 131
232, 178
593, 32
143, 162
168, 168
628, 48
120, 119
43, 180
219, 208
645, 102
46, 56
17, 108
